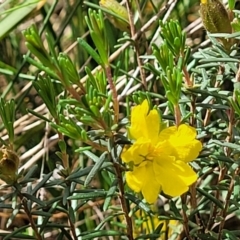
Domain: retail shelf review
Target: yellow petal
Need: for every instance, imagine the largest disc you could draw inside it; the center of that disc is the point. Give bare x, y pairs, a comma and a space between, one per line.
144, 123
142, 179
153, 125
138, 120
174, 176
186, 173
182, 142
151, 187
137, 152
135, 178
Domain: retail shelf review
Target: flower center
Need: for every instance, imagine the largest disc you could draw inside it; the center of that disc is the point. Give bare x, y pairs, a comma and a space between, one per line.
151, 154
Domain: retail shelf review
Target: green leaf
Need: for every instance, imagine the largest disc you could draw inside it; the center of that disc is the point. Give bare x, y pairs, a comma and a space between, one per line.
88, 194
100, 233
15, 15
210, 197
90, 51
110, 194
95, 168
7, 113
41, 183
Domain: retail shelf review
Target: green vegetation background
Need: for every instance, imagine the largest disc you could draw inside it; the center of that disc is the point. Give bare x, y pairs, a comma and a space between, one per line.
64, 128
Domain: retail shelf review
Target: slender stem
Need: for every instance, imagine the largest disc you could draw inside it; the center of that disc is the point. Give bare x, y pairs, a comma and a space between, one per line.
208, 112
68, 87
230, 129
177, 115
74, 93
122, 199
193, 200
114, 93
136, 45
64, 154
187, 78
185, 219
216, 195
227, 201
95, 145
192, 110
28, 213
72, 227
231, 116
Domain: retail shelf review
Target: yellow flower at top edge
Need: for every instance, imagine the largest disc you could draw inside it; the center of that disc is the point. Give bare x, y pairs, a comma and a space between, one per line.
159, 158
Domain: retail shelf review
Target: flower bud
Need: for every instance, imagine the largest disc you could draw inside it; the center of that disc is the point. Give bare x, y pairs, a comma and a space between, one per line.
215, 16
121, 23
9, 163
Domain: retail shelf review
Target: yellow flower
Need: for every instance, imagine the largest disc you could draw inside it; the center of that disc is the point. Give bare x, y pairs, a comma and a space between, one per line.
159, 158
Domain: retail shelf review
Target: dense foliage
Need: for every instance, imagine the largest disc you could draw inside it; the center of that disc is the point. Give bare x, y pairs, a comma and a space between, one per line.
71, 75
